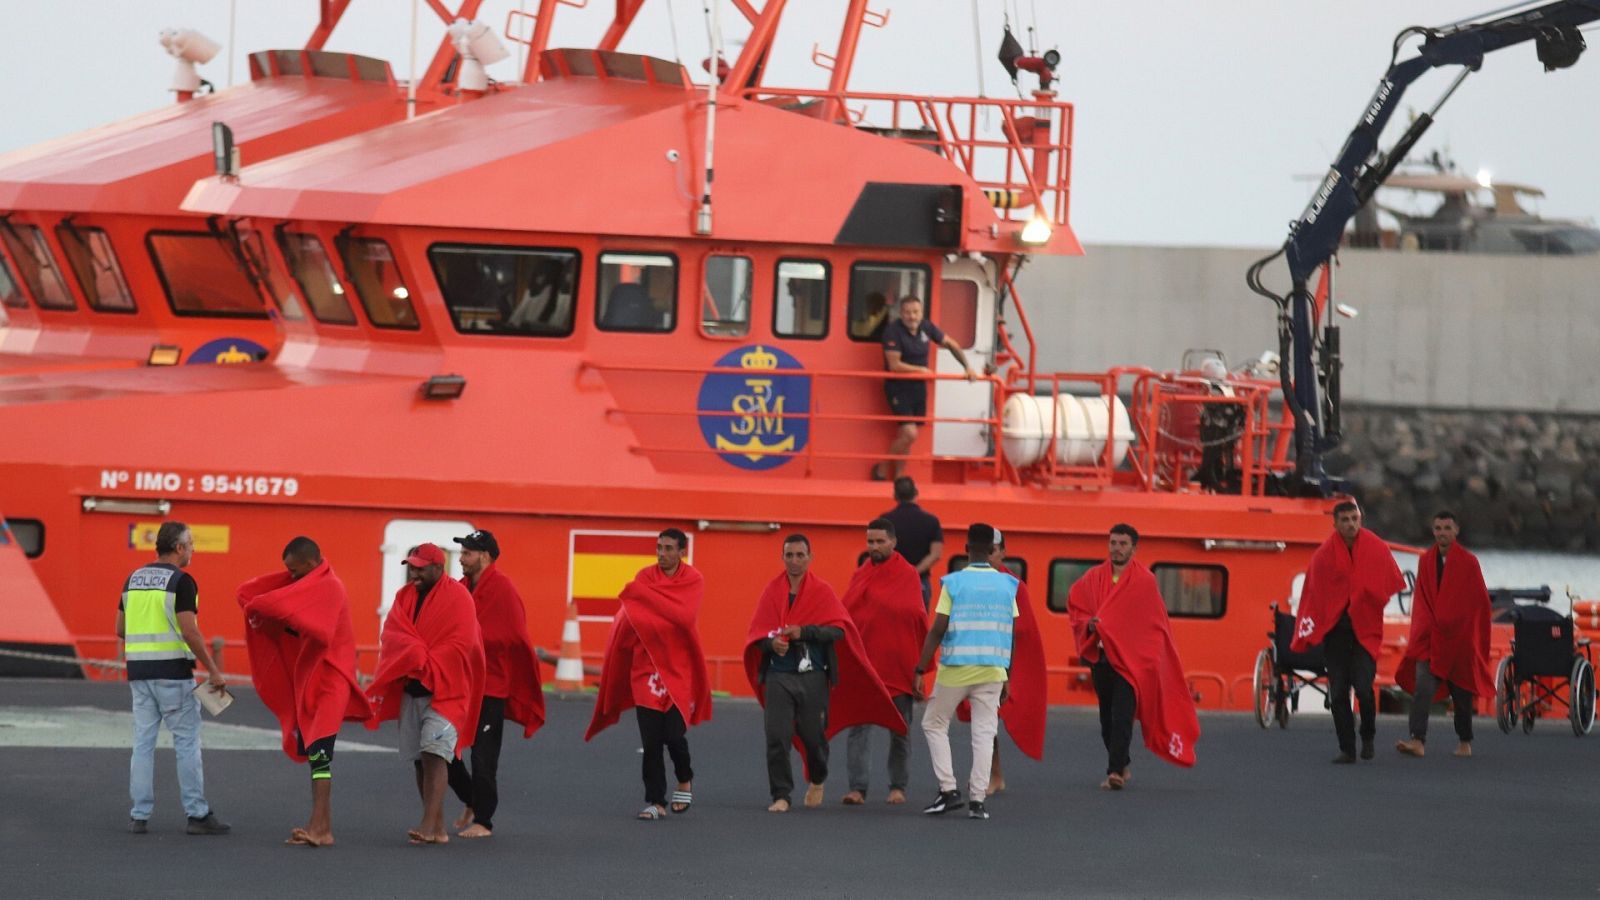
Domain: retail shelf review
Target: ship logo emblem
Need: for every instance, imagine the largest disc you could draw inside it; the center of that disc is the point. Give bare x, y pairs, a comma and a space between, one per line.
755, 419
1306, 627
228, 351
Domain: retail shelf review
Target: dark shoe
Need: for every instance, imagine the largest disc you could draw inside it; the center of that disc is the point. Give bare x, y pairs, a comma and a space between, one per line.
1366, 748
943, 803
209, 825
976, 810
138, 826
1343, 759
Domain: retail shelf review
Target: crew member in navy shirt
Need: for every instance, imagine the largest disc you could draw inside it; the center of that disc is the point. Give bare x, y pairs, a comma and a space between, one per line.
908, 343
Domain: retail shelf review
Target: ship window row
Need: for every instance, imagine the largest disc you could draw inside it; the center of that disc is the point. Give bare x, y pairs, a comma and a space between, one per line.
533, 291
1190, 591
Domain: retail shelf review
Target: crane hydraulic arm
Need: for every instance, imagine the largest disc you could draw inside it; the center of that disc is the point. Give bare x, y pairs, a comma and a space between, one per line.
1309, 368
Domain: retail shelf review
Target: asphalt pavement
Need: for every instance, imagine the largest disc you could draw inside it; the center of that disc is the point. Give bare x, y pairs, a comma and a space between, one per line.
1264, 814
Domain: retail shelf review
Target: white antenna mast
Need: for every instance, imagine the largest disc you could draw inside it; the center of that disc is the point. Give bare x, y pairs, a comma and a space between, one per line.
714, 33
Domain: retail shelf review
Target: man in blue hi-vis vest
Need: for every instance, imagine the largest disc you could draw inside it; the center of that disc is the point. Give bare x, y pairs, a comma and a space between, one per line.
972, 632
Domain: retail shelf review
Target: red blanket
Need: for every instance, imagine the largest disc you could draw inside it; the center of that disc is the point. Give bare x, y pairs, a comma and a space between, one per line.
884, 600
308, 677
1134, 629
1336, 580
858, 696
1449, 625
1024, 710
661, 612
510, 669
443, 649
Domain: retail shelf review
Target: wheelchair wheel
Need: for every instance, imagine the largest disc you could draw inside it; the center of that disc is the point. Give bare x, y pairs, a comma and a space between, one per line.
1263, 686
1281, 710
1580, 705
1529, 716
1505, 696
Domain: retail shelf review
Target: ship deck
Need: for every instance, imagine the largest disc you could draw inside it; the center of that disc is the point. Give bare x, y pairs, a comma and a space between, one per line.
1263, 815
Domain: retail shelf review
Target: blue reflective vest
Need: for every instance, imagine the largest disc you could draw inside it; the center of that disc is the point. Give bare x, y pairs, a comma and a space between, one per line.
981, 602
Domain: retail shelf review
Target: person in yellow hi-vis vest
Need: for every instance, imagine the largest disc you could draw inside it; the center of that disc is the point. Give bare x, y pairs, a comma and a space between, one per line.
157, 623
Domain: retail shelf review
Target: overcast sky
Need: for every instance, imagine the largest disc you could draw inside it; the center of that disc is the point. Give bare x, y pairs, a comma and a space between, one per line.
1193, 119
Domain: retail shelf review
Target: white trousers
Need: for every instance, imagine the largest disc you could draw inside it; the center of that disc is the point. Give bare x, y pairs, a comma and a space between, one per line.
936, 718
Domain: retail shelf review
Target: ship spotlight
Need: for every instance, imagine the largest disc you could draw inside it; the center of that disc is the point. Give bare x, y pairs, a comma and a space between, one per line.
1485, 178
443, 387
479, 47
400, 293
188, 47
1036, 233
1559, 46
164, 355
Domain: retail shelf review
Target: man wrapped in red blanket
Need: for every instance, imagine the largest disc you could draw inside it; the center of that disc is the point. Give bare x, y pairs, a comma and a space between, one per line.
303, 662
1120, 625
430, 677
654, 664
1448, 650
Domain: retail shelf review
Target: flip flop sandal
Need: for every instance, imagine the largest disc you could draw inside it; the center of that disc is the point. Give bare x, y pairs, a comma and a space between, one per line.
683, 799
651, 813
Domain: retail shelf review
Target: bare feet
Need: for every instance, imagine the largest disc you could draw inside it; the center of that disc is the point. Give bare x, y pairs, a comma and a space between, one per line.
1463, 749
475, 831
779, 806
813, 796
1411, 747
1127, 775
896, 797
464, 819
418, 837
301, 837
996, 785
1114, 782
854, 798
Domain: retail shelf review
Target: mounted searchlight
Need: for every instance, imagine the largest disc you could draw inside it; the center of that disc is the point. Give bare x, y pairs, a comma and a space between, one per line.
188, 47
1036, 233
479, 47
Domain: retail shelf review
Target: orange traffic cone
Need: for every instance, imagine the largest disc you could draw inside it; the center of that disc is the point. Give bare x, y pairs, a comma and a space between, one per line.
569, 668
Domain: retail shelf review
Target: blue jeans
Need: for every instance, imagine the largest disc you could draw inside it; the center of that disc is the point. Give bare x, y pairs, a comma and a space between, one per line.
171, 701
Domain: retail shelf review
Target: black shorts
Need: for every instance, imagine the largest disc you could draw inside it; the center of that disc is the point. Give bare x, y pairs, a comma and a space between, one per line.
907, 398
320, 754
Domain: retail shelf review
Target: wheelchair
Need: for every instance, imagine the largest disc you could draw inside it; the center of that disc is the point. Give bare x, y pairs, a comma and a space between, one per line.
1280, 673
1546, 667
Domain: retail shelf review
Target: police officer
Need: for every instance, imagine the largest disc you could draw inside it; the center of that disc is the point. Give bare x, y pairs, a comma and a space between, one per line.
161, 639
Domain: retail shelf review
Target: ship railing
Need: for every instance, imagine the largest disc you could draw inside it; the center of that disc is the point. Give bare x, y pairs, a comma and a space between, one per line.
989, 465
1019, 152
1164, 445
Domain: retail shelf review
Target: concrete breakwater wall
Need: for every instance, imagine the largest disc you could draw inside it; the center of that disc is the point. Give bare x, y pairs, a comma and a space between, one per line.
1516, 480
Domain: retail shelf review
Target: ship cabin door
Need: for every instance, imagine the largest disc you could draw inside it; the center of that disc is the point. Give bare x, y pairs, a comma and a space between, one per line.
966, 314
399, 536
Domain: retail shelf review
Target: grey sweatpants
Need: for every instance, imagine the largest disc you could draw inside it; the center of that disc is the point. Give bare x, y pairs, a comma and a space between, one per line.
859, 757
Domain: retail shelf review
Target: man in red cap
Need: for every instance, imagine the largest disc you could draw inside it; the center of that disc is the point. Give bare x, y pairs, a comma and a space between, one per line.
1348, 583
510, 683
303, 663
430, 677
1448, 651
654, 664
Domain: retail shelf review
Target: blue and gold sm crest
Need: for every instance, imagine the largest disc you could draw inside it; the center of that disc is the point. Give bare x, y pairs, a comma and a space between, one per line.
756, 418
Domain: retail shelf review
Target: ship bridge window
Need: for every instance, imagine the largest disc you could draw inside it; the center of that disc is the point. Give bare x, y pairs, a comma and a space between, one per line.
372, 270
875, 293
29, 534
313, 271
801, 306
89, 252
1016, 565
637, 292
725, 300
507, 290
202, 277
36, 266
1064, 573
1192, 591
9, 295
254, 248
